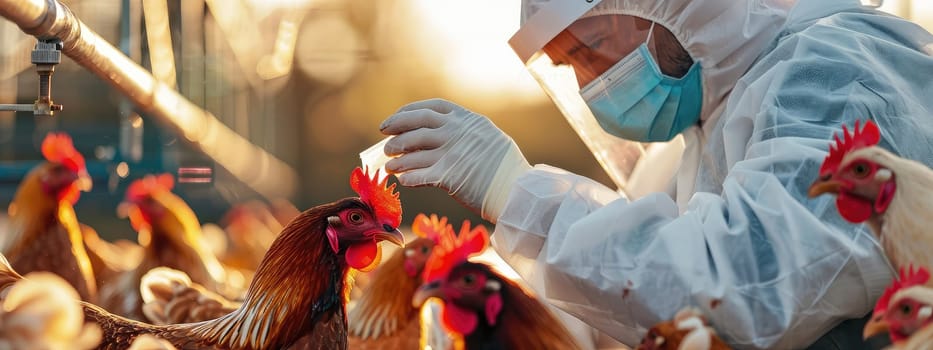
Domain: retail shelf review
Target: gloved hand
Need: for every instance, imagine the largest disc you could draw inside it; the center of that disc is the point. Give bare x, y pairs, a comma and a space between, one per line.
442, 144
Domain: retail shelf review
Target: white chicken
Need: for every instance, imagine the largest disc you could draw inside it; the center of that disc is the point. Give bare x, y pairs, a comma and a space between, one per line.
890, 193
41, 311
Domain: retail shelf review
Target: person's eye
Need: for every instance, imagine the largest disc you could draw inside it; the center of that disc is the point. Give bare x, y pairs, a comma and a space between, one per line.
597, 43
574, 51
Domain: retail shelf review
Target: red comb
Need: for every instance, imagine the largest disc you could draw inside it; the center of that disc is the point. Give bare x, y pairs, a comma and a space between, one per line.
451, 252
141, 188
909, 277
867, 136
381, 198
433, 228
58, 148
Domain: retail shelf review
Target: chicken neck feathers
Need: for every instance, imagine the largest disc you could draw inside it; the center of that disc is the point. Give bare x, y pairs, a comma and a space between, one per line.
903, 224
524, 323
385, 307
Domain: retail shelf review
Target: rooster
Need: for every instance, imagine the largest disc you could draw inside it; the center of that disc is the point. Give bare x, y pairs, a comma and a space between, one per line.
486, 309
687, 331
170, 235
905, 310
383, 312
44, 233
384, 317
298, 296
875, 186
41, 311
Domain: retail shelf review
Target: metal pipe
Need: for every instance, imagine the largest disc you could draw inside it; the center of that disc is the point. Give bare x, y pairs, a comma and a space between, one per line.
16, 108
260, 170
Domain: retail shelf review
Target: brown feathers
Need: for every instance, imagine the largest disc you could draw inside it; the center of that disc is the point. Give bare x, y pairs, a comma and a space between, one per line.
170, 297
45, 236
526, 323
687, 331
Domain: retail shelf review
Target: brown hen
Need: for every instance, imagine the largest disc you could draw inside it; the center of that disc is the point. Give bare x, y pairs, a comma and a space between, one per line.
486, 309
43, 232
297, 299
170, 235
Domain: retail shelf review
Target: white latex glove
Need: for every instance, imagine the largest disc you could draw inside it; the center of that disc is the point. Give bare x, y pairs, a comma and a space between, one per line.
442, 144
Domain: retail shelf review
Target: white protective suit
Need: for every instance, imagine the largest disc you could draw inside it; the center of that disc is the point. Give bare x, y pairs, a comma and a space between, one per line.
736, 229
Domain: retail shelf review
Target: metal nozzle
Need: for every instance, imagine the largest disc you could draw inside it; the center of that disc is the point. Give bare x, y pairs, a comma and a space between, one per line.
45, 56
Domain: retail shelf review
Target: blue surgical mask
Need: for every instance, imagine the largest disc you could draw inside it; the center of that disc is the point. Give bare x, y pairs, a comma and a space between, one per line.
635, 101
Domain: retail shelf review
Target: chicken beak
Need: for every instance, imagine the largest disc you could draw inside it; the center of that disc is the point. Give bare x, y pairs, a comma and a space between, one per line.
84, 181
876, 325
426, 291
822, 186
393, 236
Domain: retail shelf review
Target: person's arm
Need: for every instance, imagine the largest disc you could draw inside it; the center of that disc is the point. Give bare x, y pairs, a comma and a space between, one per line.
781, 269
757, 259
770, 267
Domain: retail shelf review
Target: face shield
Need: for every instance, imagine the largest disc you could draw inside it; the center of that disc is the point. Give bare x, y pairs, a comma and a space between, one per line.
563, 54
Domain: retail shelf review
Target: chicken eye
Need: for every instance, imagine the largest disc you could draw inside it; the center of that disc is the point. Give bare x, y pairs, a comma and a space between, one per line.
906, 309
469, 279
860, 170
355, 217
425, 250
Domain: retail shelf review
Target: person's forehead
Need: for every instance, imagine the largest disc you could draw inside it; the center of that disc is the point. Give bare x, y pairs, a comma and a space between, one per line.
588, 30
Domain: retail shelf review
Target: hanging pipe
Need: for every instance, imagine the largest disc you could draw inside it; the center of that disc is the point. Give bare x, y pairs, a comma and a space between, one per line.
48, 19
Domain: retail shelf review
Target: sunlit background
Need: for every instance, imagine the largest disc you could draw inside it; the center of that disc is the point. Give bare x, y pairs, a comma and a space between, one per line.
306, 82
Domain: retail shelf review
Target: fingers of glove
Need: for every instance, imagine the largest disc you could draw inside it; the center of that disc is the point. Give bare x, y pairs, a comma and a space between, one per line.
416, 140
419, 177
414, 160
410, 120
436, 104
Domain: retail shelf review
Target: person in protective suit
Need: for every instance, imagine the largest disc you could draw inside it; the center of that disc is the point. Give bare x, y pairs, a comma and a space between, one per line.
737, 101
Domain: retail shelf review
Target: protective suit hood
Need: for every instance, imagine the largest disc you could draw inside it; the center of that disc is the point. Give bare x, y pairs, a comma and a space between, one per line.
724, 36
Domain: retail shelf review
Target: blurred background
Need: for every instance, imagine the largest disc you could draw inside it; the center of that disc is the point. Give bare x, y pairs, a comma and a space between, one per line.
307, 82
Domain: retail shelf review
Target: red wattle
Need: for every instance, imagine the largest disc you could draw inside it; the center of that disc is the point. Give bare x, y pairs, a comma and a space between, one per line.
70, 194
458, 320
853, 209
362, 255
897, 336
